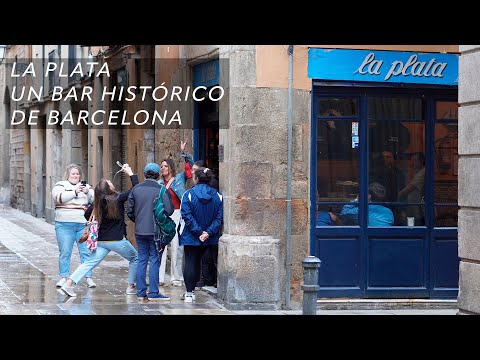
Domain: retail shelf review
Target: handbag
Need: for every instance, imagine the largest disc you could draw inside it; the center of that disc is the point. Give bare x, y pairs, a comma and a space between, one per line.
84, 236
90, 233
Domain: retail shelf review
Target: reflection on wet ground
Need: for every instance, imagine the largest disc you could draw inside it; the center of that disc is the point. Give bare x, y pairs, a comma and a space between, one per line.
29, 272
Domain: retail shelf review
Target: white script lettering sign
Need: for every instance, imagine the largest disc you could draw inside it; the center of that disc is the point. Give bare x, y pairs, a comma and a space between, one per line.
383, 66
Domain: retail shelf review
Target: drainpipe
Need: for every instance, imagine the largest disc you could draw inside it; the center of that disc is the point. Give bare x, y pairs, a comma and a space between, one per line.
289, 179
43, 71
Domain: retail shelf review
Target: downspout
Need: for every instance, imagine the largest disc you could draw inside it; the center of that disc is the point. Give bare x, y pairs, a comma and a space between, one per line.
43, 71
289, 179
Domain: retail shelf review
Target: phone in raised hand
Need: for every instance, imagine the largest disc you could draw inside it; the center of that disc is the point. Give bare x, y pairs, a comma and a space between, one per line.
119, 163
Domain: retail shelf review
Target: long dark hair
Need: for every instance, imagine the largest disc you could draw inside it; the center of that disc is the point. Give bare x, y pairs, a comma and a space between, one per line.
105, 199
204, 175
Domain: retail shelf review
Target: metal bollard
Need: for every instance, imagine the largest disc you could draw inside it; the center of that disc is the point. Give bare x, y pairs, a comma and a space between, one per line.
310, 284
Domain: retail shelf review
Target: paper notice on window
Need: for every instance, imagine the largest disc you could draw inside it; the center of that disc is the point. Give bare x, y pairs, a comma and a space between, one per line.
354, 142
355, 135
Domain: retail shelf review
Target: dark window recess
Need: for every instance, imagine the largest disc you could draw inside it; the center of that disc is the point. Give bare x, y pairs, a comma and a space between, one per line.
52, 57
72, 62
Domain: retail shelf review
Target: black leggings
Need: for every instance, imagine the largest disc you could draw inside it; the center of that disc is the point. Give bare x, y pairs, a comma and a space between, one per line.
209, 265
191, 271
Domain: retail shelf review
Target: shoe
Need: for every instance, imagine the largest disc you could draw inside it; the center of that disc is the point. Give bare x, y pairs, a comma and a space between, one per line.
200, 284
90, 283
131, 290
177, 283
160, 297
189, 297
60, 282
184, 294
142, 299
68, 290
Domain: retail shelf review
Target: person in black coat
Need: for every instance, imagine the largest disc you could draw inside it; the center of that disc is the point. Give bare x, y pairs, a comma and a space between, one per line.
108, 210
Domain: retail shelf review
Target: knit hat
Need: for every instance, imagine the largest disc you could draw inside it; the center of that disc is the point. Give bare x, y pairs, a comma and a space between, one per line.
152, 167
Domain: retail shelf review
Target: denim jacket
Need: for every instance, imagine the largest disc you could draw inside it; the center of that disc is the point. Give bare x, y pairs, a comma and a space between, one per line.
178, 183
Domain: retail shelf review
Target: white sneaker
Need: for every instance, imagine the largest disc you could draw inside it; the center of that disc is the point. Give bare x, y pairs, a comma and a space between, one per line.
131, 290
60, 282
90, 283
177, 283
189, 297
183, 296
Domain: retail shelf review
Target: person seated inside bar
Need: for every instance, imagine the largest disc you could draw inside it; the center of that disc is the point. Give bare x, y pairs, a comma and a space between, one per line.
378, 215
414, 191
327, 218
385, 171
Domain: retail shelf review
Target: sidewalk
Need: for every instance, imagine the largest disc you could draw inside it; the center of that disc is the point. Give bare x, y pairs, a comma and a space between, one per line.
29, 271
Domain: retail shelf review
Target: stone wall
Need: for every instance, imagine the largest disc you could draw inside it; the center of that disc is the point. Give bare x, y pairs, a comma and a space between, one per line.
252, 251
468, 179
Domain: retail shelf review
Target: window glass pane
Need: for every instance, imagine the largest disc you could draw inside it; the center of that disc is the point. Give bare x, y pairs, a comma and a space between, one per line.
336, 215
446, 216
338, 107
337, 168
337, 140
446, 110
446, 163
396, 162
337, 161
389, 108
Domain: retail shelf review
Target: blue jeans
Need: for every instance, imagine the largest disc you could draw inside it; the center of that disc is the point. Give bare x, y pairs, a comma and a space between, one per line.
121, 247
67, 234
146, 252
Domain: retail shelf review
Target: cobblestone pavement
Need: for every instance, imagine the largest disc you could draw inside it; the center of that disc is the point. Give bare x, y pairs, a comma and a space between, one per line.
29, 272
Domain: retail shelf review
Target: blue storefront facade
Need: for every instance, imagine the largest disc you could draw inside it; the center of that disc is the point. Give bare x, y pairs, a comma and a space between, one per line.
384, 173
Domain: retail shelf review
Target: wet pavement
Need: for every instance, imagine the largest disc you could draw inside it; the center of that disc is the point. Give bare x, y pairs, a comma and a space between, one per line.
29, 272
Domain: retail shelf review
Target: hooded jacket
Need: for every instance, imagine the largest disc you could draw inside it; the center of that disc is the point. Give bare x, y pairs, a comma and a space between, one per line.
201, 210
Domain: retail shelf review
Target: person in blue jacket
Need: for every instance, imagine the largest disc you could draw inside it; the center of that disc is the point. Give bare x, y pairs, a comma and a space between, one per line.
201, 219
378, 215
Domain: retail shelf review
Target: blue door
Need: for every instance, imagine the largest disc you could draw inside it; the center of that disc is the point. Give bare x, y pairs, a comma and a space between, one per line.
384, 191
206, 114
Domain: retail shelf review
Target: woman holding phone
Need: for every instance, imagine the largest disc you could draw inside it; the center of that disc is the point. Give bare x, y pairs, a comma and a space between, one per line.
108, 209
71, 196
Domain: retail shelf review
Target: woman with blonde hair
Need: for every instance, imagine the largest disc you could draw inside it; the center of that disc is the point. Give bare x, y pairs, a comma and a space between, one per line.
108, 209
71, 196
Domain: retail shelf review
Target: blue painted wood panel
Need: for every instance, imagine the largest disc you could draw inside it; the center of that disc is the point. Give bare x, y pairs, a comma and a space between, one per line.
335, 270
396, 262
444, 267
